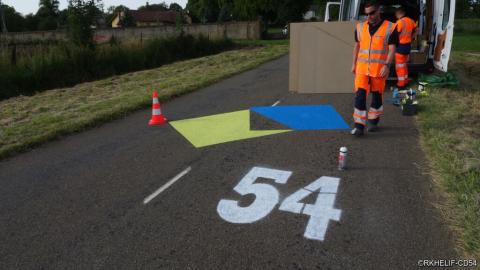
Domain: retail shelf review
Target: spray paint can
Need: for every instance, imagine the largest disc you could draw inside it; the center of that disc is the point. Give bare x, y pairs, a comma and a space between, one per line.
342, 158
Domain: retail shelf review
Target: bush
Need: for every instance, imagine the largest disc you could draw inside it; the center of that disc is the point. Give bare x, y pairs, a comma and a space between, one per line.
63, 65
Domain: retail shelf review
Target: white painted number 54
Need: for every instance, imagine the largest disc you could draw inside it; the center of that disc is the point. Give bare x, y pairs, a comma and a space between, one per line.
267, 197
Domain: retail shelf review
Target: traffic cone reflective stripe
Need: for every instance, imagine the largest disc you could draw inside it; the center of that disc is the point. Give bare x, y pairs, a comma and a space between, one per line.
157, 117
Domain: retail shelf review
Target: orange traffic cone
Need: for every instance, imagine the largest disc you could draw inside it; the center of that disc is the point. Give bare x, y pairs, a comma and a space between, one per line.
157, 116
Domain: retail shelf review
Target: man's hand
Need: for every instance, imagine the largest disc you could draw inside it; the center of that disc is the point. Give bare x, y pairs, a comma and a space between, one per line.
354, 68
384, 71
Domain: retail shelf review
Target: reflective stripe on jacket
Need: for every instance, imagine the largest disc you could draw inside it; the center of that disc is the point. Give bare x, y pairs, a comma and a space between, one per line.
373, 52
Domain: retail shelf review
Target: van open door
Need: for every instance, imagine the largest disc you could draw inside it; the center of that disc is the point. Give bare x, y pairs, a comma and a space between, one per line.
329, 11
444, 16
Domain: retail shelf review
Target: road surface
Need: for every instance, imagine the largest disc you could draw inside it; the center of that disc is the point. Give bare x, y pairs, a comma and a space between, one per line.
79, 202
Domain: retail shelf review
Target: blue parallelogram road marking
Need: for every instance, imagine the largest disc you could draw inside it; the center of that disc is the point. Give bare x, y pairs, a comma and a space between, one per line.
304, 117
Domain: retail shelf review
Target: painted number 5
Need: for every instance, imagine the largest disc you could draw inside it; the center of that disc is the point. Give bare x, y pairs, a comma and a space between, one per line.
266, 196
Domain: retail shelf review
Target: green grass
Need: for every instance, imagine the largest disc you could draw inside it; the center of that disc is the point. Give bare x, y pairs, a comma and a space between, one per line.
28, 121
466, 42
451, 136
262, 42
449, 123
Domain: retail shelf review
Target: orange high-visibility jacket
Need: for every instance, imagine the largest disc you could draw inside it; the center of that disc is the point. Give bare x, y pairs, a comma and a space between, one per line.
405, 28
373, 52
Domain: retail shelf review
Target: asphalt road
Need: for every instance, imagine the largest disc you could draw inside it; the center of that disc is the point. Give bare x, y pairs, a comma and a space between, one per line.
77, 203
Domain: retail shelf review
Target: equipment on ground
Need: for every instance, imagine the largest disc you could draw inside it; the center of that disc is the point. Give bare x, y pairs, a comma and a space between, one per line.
409, 103
342, 158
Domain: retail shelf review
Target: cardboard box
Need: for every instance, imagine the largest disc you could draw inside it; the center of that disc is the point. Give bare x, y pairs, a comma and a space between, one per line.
321, 57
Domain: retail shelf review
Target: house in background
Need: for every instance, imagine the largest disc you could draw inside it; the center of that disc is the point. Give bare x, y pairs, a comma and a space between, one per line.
149, 18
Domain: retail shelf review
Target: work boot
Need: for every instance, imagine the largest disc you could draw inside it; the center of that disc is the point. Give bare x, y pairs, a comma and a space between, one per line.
357, 132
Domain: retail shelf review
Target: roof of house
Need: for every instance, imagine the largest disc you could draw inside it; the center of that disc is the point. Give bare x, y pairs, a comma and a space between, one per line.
154, 16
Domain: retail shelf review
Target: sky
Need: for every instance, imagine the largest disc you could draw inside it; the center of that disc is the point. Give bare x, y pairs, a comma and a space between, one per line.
31, 6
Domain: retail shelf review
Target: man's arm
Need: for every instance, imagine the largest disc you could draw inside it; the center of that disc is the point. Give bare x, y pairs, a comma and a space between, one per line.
415, 33
391, 54
356, 48
393, 42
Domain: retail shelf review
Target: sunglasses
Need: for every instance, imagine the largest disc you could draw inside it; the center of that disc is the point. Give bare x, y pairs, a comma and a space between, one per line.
371, 13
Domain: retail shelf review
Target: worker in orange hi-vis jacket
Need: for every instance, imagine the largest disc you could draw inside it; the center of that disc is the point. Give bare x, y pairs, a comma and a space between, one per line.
407, 31
373, 53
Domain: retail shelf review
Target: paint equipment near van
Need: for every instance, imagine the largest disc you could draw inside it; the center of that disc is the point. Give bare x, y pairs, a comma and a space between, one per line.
422, 86
409, 103
422, 90
396, 97
399, 95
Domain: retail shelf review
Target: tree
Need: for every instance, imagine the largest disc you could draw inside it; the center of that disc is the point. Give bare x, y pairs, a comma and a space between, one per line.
270, 11
31, 22
48, 15
48, 8
175, 7
155, 7
180, 20
3, 24
476, 9
322, 4
291, 10
467, 9
82, 15
63, 18
203, 10
11, 19
192, 9
226, 10
249, 9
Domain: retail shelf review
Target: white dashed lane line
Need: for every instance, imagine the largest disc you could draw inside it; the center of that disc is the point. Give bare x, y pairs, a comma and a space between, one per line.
276, 103
167, 185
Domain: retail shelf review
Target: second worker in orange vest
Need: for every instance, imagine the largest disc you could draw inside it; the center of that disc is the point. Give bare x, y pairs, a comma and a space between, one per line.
373, 54
407, 29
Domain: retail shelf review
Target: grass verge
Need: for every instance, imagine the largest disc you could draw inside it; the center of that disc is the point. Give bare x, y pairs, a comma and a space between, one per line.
35, 68
463, 42
29, 121
262, 42
449, 122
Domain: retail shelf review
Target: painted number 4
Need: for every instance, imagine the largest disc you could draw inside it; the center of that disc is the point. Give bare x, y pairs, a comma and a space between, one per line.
267, 197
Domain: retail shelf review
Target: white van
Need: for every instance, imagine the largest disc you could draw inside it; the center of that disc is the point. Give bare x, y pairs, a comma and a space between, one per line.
434, 20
